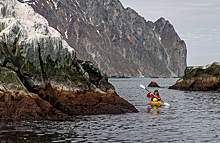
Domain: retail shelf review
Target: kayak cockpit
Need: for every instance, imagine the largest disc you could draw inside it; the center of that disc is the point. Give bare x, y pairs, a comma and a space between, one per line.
153, 103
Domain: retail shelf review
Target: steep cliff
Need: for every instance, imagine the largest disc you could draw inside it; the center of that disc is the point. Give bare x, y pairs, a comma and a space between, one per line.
40, 75
118, 40
37, 52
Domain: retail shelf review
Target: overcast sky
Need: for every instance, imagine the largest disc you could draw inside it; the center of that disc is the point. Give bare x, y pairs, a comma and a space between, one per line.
197, 22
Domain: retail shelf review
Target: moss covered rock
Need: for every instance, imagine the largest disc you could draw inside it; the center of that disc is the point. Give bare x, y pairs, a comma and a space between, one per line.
202, 78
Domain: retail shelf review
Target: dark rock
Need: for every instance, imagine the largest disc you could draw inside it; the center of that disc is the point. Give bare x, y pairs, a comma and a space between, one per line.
205, 78
21, 106
153, 84
52, 104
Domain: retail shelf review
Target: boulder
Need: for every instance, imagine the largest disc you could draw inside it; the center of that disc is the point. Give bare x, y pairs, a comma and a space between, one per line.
202, 78
153, 84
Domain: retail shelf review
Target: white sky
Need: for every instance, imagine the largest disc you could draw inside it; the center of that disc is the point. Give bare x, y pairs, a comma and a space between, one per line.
197, 22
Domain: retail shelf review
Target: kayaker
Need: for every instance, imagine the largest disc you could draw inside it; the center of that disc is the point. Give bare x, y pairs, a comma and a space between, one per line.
155, 95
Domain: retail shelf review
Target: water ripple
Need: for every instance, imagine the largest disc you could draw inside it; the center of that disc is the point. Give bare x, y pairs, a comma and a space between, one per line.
192, 117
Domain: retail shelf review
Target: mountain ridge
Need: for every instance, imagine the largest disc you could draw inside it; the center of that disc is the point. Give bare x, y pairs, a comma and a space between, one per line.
117, 39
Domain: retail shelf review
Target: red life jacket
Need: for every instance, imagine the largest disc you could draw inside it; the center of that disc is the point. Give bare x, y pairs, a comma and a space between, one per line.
152, 96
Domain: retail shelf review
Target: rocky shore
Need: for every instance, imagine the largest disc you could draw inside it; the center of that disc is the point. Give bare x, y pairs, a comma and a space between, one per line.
41, 77
202, 78
52, 104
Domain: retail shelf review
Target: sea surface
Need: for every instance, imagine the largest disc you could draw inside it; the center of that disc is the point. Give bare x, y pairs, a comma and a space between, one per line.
191, 117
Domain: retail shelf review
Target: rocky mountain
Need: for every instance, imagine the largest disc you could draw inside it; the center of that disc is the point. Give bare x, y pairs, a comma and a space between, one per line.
40, 75
117, 39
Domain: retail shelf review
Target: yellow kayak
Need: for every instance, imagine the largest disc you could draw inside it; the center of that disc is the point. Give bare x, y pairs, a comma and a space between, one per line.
158, 103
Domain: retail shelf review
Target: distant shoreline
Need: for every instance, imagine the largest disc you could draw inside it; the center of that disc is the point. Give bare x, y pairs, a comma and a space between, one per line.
139, 77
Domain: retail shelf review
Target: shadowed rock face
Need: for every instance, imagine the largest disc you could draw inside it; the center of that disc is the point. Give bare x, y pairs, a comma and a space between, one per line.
118, 40
40, 75
206, 78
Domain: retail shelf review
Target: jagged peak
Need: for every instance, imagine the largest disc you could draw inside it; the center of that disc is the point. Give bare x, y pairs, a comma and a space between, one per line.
130, 10
161, 20
117, 4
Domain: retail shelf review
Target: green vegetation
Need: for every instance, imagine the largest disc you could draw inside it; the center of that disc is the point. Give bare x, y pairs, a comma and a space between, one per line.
8, 76
66, 71
213, 70
189, 72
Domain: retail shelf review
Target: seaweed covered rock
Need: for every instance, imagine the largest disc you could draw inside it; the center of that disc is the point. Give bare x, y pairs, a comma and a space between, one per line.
21, 106
82, 103
203, 78
53, 104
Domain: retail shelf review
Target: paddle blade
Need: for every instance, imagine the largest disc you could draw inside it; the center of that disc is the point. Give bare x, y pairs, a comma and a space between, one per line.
166, 104
142, 86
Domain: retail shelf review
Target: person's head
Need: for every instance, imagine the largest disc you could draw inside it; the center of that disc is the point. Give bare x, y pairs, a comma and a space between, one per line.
156, 92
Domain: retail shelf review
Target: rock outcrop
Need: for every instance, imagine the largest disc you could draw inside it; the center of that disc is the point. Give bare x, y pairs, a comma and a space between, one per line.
153, 84
21, 106
117, 39
34, 58
51, 104
203, 78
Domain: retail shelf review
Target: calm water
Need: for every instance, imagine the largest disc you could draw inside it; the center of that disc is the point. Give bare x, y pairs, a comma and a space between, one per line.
192, 117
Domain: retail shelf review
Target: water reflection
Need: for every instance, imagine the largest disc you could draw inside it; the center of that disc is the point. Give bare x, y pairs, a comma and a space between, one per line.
191, 117
154, 110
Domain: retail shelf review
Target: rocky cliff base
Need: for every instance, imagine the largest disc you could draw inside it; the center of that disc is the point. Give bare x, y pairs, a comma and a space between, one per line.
206, 78
52, 104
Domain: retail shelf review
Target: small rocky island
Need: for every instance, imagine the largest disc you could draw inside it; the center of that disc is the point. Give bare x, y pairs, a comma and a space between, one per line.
202, 78
153, 84
41, 77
